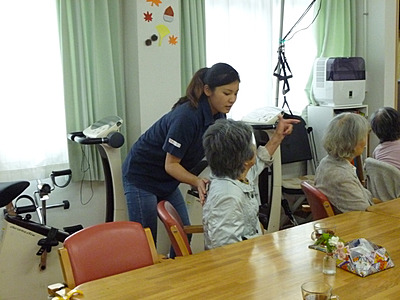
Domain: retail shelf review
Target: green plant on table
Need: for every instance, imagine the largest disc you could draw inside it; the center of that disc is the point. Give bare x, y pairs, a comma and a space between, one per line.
333, 245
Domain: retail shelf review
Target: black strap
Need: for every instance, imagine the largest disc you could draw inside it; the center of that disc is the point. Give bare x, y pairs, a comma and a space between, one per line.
283, 66
287, 104
48, 242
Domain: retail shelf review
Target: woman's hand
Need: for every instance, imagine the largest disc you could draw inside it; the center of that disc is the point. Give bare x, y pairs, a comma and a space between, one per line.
176, 170
201, 186
285, 126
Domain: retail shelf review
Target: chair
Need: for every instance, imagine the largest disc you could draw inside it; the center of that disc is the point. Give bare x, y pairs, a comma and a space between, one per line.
106, 249
298, 147
177, 232
383, 179
319, 203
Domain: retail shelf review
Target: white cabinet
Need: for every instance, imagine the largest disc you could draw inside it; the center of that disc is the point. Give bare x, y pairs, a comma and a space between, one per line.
320, 116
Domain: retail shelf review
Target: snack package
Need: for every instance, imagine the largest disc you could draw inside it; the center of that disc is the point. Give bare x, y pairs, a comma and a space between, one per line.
364, 258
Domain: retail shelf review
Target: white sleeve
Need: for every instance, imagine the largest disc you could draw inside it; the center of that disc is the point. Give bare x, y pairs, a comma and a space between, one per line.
264, 155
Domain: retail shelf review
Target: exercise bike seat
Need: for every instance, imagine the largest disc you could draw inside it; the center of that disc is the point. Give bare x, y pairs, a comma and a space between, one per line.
11, 190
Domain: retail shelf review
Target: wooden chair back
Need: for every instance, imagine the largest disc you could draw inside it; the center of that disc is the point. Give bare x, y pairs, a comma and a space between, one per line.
174, 227
319, 203
106, 249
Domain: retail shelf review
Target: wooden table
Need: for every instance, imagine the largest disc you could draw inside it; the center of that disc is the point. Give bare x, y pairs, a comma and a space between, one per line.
272, 266
390, 208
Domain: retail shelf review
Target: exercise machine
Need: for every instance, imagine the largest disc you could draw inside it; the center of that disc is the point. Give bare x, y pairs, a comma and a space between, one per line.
38, 203
105, 136
27, 261
23, 274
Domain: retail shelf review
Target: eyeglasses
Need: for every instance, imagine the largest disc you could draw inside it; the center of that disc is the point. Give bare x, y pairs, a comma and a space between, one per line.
152, 39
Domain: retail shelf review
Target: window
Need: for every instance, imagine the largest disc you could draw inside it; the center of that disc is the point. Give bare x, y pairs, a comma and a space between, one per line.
245, 34
32, 117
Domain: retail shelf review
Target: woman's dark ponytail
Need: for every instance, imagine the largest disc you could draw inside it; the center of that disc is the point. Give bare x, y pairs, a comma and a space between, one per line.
194, 90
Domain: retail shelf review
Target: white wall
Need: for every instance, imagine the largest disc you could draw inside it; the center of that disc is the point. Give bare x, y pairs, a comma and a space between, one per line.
152, 72
378, 46
159, 64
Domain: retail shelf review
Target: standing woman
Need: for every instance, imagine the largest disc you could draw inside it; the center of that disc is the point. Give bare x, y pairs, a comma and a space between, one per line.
164, 155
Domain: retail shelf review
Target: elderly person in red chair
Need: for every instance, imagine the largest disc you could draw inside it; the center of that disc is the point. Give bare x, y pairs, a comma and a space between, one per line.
230, 213
336, 176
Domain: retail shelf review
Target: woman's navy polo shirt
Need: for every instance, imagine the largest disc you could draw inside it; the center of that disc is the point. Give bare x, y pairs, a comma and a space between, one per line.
180, 133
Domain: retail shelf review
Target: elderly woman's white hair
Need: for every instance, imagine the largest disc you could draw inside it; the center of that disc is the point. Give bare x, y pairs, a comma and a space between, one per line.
228, 144
343, 134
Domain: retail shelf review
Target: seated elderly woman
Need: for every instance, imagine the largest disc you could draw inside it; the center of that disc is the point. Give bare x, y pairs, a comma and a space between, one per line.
336, 176
230, 213
385, 123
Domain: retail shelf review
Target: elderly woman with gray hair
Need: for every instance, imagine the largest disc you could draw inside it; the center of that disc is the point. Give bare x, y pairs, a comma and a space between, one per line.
336, 176
385, 123
230, 213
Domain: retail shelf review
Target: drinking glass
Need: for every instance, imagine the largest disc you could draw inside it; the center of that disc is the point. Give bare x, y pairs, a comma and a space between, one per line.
316, 290
320, 228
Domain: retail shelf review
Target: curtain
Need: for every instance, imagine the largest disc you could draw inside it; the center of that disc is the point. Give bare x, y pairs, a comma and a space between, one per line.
193, 46
33, 139
335, 31
336, 28
245, 34
91, 39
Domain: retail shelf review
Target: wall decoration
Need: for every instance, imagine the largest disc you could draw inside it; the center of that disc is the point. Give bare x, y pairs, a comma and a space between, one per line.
156, 2
152, 39
162, 31
173, 40
148, 16
168, 14
162, 14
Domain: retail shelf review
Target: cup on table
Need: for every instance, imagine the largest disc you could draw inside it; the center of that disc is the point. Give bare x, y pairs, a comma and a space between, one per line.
320, 228
316, 290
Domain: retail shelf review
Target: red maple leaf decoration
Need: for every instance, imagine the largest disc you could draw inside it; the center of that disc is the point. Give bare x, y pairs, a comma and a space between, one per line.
156, 2
148, 16
173, 40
